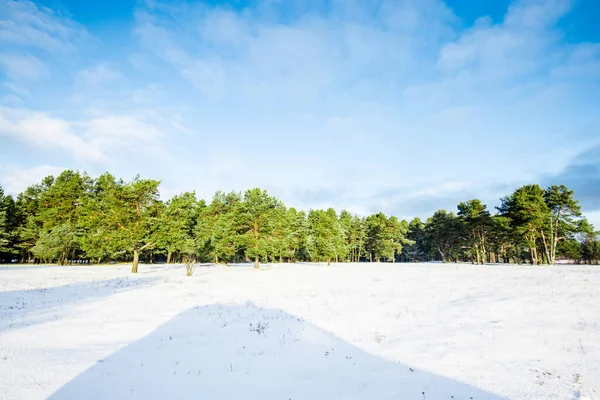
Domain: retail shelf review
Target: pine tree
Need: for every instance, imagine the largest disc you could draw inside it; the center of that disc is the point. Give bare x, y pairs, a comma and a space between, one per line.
564, 215
125, 215
260, 215
358, 238
100, 239
396, 234
74, 217
327, 238
415, 250
476, 222
28, 209
59, 213
529, 215
385, 237
503, 239
299, 235
5, 234
177, 224
217, 230
442, 232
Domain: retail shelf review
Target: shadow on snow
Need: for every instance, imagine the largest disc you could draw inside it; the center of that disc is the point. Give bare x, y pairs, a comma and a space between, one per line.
246, 352
20, 308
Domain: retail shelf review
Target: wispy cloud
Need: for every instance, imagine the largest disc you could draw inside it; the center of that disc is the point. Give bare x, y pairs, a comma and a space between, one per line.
19, 67
25, 23
93, 139
255, 53
98, 75
41, 130
390, 105
15, 179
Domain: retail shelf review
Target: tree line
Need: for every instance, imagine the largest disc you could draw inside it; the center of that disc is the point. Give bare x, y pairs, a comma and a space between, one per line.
74, 218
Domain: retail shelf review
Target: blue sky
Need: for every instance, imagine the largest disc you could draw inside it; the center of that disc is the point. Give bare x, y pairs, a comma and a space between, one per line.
401, 106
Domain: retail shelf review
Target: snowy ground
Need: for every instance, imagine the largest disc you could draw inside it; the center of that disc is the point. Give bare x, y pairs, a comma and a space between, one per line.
370, 331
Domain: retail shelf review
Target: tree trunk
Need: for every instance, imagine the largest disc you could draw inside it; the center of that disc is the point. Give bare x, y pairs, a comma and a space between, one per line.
136, 260
169, 255
328, 262
534, 257
483, 251
442, 255
546, 250
256, 263
554, 245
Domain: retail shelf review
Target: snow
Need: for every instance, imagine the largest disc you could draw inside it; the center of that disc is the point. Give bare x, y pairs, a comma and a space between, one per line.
303, 331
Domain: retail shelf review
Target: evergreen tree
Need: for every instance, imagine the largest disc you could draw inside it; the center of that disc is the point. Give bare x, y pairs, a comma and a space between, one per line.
358, 238
282, 236
529, 215
217, 233
125, 215
590, 245
338, 235
55, 244
503, 239
442, 232
570, 249
74, 217
386, 236
564, 215
345, 220
259, 217
299, 235
99, 239
476, 221
396, 234
177, 225
415, 250
590, 250
28, 208
58, 216
5, 233
327, 238
376, 245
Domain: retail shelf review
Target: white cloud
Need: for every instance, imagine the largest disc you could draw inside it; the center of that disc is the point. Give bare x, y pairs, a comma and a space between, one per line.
441, 189
15, 180
536, 13
523, 44
11, 100
359, 96
18, 90
24, 23
98, 75
41, 130
111, 131
22, 67
373, 95
253, 55
93, 139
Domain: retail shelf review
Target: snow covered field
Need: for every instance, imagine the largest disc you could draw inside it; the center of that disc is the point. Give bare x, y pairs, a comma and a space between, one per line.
369, 331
